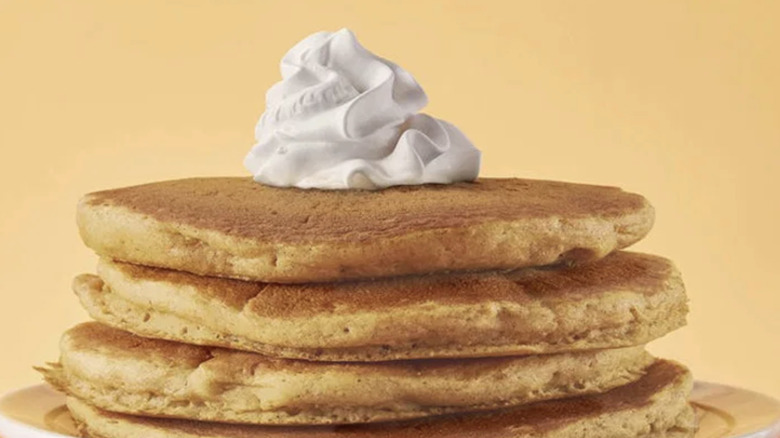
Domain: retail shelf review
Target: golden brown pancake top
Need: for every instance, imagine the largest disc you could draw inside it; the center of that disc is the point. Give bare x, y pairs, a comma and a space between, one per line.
92, 336
107, 342
620, 271
241, 207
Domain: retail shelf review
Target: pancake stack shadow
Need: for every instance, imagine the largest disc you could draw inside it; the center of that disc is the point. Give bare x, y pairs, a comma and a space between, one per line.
502, 308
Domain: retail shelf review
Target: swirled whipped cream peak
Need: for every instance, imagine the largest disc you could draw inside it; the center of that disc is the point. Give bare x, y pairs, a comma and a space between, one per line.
344, 118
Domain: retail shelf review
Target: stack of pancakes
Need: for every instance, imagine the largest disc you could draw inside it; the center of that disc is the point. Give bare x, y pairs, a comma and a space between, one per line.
499, 308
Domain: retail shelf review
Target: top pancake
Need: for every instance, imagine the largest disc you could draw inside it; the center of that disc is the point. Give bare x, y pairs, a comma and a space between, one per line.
235, 227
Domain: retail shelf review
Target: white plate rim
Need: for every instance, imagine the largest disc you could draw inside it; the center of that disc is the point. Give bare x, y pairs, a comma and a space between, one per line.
13, 428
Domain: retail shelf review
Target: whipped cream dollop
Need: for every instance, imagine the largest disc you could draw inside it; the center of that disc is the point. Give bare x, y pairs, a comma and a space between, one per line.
343, 118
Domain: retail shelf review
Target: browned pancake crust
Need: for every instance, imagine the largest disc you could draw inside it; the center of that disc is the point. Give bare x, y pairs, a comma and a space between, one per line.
241, 207
120, 372
624, 299
236, 227
654, 406
641, 274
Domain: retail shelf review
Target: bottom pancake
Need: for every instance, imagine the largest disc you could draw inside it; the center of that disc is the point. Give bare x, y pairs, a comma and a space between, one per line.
654, 406
121, 372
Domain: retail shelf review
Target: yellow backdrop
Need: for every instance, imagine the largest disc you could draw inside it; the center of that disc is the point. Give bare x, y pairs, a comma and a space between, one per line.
678, 100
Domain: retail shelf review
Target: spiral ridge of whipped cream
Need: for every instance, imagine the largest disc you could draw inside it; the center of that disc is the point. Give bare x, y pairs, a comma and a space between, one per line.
343, 118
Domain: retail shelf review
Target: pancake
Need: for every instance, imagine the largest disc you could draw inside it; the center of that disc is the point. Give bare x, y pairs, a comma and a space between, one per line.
121, 372
624, 299
235, 227
654, 406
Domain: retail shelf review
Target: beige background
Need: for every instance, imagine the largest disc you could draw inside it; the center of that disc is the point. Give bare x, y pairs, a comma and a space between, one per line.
678, 100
